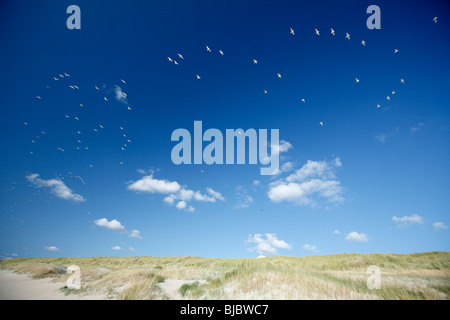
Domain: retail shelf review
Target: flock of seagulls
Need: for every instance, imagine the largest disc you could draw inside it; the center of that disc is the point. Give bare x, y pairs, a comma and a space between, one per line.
292, 32
79, 143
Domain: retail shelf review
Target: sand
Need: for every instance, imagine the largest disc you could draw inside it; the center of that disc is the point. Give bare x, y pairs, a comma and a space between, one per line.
15, 286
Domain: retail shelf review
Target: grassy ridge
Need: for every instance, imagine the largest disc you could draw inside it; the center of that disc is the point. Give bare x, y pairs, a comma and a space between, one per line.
342, 276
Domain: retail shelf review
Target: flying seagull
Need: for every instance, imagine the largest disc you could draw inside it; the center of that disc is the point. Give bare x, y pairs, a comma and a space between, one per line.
395, 50
347, 36
303, 100
170, 59
292, 32
317, 32
321, 123
388, 98
279, 75
378, 106
265, 91
357, 80
435, 19
363, 43
402, 80
176, 63
181, 57
123, 81
198, 77
208, 49
96, 88
332, 31
221, 52
255, 61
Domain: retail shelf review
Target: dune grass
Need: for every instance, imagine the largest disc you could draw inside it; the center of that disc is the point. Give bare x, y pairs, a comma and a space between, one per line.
342, 276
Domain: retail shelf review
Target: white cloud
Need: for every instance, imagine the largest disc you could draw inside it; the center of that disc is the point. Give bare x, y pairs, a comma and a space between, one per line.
176, 194
357, 237
135, 234
439, 226
310, 247
408, 220
120, 96
51, 248
112, 225
381, 137
308, 185
260, 256
181, 205
418, 127
215, 194
267, 244
282, 147
116, 248
151, 185
132, 249
256, 182
336, 232
243, 199
56, 186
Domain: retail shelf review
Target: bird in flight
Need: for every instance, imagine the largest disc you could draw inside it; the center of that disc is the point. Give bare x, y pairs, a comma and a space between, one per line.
38, 97
402, 80
279, 75
435, 19
255, 61
332, 32
317, 32
55, 78
123, 81
198, 77
67, 75
96, 88
347, 36
388, 98
357, 80
378, 106
321, 123
303, 100
208, 49
105, 98
174, 61
393, 92
395, 50
265, 91
363, 43
181, 57
170, 59
292, 32
221, 52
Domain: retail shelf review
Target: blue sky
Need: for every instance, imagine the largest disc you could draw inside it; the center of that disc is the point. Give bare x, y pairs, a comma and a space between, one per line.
369, 180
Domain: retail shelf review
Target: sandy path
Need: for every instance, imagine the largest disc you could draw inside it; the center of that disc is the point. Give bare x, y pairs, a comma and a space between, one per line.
15, 286
171, 287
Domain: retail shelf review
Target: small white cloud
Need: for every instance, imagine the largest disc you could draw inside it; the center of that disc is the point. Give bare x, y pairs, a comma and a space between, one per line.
418, 127
132, 249
336, 232
439, 226
215, 194
267, 244
381, 137
256, 182
112, 225
309, 247
151, 185
357, 237
181, 205
408, 220
51, 248
135, 234
120, 96
314, 182
56, 186
116, 248
260, 256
